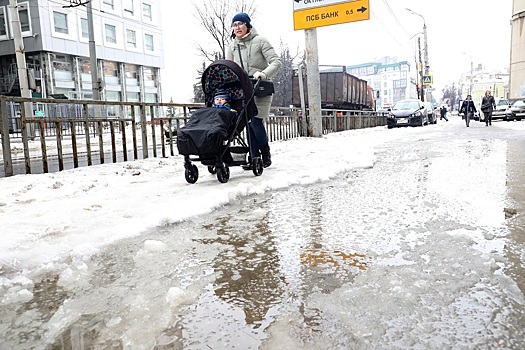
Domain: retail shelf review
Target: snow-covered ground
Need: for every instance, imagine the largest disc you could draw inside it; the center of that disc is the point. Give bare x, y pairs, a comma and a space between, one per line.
48, 217
445, 241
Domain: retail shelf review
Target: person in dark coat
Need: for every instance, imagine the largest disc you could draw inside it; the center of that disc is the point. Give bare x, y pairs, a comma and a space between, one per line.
468, 109
488, 104
443, 112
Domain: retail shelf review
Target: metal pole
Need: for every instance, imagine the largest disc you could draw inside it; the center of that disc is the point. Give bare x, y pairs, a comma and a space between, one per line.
304, 131
314, 83
21, 63
427, 63
471, 77
420, 70
95, 83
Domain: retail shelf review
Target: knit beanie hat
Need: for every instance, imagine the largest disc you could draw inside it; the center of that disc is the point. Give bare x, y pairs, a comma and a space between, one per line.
222, 93
242, 17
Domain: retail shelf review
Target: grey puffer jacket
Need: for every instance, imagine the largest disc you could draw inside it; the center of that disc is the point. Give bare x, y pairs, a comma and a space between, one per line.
257, 54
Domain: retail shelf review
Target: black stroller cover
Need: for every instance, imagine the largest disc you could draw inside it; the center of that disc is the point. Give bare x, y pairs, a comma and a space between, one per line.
205, 132
209, 129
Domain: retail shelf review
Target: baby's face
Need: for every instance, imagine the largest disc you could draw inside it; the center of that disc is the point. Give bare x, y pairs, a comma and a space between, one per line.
220, 100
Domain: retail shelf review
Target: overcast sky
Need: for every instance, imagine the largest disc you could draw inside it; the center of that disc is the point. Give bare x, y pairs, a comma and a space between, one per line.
458, 32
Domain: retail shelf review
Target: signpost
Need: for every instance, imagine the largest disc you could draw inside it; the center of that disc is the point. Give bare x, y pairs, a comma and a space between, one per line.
318, 13
308, 15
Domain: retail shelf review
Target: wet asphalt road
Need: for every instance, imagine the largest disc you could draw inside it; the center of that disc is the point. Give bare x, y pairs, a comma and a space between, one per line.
426, 250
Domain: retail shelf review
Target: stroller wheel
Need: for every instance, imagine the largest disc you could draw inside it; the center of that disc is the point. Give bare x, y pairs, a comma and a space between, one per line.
257, 166
223, 174
212, 169
191, 174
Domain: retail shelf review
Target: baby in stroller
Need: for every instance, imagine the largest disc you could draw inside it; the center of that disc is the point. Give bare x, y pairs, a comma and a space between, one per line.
214, 134
221, 99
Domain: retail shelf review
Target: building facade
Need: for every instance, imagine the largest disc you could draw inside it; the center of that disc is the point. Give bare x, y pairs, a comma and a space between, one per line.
517, 52
128, 40
479, 80
389, 78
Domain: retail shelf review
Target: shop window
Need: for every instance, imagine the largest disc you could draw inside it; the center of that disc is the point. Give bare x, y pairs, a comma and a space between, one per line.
149, 76
111, 73
131, 72
62, 68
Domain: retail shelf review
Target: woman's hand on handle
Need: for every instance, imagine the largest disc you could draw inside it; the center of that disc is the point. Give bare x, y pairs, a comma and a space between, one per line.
259, 75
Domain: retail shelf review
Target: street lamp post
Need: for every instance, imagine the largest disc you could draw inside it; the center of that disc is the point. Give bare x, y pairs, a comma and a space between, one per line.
425, 48
419, 68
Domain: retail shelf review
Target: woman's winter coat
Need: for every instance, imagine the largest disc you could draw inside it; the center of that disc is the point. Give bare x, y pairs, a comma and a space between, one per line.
487, 103
256, 52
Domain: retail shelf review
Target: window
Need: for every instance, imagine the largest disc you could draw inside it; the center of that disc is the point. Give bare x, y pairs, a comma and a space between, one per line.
128, 6
60, 22
62, 68
149, 77
3, 27
131, 38
85, 70
111, 34
111, 72
131, 72
109, 3
23, 13
146, 11
148, 40
84, 27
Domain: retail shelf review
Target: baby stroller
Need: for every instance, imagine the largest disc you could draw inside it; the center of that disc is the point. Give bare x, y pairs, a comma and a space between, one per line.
212, 136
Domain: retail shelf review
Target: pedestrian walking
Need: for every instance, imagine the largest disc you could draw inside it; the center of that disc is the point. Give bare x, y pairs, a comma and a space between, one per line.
488, 104
468, 109
257, 57
443, 113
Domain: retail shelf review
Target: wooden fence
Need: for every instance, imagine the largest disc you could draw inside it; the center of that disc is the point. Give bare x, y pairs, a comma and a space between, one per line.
36, 133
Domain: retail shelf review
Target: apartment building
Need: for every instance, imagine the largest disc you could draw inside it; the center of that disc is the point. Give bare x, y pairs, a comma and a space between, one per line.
128, 38
389, 78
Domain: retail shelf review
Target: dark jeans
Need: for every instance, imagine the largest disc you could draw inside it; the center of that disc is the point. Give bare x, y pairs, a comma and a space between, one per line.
488, 117
258, 136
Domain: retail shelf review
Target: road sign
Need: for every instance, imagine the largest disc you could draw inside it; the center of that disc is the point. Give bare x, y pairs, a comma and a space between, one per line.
308, 4
318, 13
427, 79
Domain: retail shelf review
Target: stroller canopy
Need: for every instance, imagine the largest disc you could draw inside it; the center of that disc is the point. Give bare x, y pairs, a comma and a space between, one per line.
225, 74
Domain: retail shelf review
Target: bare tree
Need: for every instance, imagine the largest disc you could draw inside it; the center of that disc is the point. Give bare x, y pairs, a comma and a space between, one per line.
215, 16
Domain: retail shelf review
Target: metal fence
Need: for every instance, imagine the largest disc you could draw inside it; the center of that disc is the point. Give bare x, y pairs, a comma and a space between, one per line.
46, 135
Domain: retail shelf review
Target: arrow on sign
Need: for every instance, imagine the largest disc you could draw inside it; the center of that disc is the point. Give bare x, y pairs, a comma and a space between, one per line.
362, 9
297, 0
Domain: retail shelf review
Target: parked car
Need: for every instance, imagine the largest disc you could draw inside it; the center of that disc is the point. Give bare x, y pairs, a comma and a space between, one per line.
431, 113
410, 112
516, 111
502, 105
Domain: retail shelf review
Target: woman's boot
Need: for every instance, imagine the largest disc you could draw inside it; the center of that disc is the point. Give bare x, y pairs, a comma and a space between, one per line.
266, 156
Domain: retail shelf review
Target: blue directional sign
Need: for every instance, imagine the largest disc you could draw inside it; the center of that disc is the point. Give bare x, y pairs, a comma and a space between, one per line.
427, 79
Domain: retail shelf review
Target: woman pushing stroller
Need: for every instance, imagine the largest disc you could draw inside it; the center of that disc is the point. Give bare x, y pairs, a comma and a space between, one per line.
258, 58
